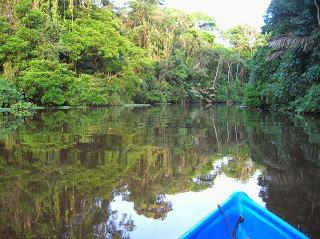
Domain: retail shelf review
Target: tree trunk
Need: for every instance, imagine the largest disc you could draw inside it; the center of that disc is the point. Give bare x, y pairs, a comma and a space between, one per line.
318, 11
7, 10
229, 72
216, 75
71, 9
237, 73
55, 7
229, 82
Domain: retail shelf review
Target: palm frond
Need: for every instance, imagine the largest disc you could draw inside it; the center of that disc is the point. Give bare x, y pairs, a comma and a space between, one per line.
274, 55
293, 42
290, 42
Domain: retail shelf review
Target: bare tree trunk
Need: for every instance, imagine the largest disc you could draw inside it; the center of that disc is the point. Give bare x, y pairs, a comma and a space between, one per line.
71, 8
229, 82
229, 72
318, 11
241, 74
7, 10
216, 75
237, 73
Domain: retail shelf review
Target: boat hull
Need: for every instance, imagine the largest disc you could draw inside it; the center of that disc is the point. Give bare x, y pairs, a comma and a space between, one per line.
242, 218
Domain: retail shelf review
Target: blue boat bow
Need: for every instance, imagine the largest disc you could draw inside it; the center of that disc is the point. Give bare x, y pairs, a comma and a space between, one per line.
241, 218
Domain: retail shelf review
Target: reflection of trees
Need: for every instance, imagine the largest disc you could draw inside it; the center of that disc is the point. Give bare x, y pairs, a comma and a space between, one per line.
236, 164
8, 124
240, 165
241, 169
60, 169
159, 172
205, 179
292, 178
114, 227
156, 207
294, 196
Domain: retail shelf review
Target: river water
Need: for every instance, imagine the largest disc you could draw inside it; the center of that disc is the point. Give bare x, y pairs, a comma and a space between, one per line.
152, 172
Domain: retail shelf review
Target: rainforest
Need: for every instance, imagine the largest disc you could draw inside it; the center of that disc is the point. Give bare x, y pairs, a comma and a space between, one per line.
136, 120
93, 53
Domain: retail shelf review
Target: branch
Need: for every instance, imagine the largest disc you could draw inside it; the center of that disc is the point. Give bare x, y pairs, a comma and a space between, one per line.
113, 76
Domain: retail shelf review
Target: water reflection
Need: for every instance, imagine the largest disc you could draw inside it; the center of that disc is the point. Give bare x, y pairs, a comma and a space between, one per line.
137, 172
188, 207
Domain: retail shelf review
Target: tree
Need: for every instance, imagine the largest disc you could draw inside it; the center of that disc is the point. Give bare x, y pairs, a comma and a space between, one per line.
95, 42
289, 72
246, 39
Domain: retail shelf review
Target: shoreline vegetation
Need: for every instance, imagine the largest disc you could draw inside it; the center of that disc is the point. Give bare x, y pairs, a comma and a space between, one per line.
94, 54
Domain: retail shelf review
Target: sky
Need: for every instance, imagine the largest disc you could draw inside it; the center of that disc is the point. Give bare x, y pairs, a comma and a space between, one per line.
227, 13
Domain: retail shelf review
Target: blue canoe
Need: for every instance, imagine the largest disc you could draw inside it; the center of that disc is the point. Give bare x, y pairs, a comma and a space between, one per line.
242, 218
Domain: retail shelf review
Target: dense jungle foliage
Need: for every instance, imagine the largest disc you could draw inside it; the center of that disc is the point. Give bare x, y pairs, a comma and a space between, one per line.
286, 74
93, 53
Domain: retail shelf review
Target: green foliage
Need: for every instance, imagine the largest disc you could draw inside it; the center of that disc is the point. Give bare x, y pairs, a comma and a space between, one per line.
289, 16
4, 31
34, 19
22, 45
253, 96
86, 90
232, 92
85, 53
9, 95
155, 96
310, 102
151, 91
245, 39
287, 73
23, 7
46, 82
261, 70
15, 49
97, 38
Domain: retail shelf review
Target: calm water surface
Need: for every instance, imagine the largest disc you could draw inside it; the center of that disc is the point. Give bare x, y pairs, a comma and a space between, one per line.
152, 172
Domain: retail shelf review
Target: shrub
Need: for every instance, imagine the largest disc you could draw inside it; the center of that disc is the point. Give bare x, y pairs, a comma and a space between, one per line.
253, 96
46, 82
9, 95
87, 90
226, 92
310, 102
23, 8
34, 19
